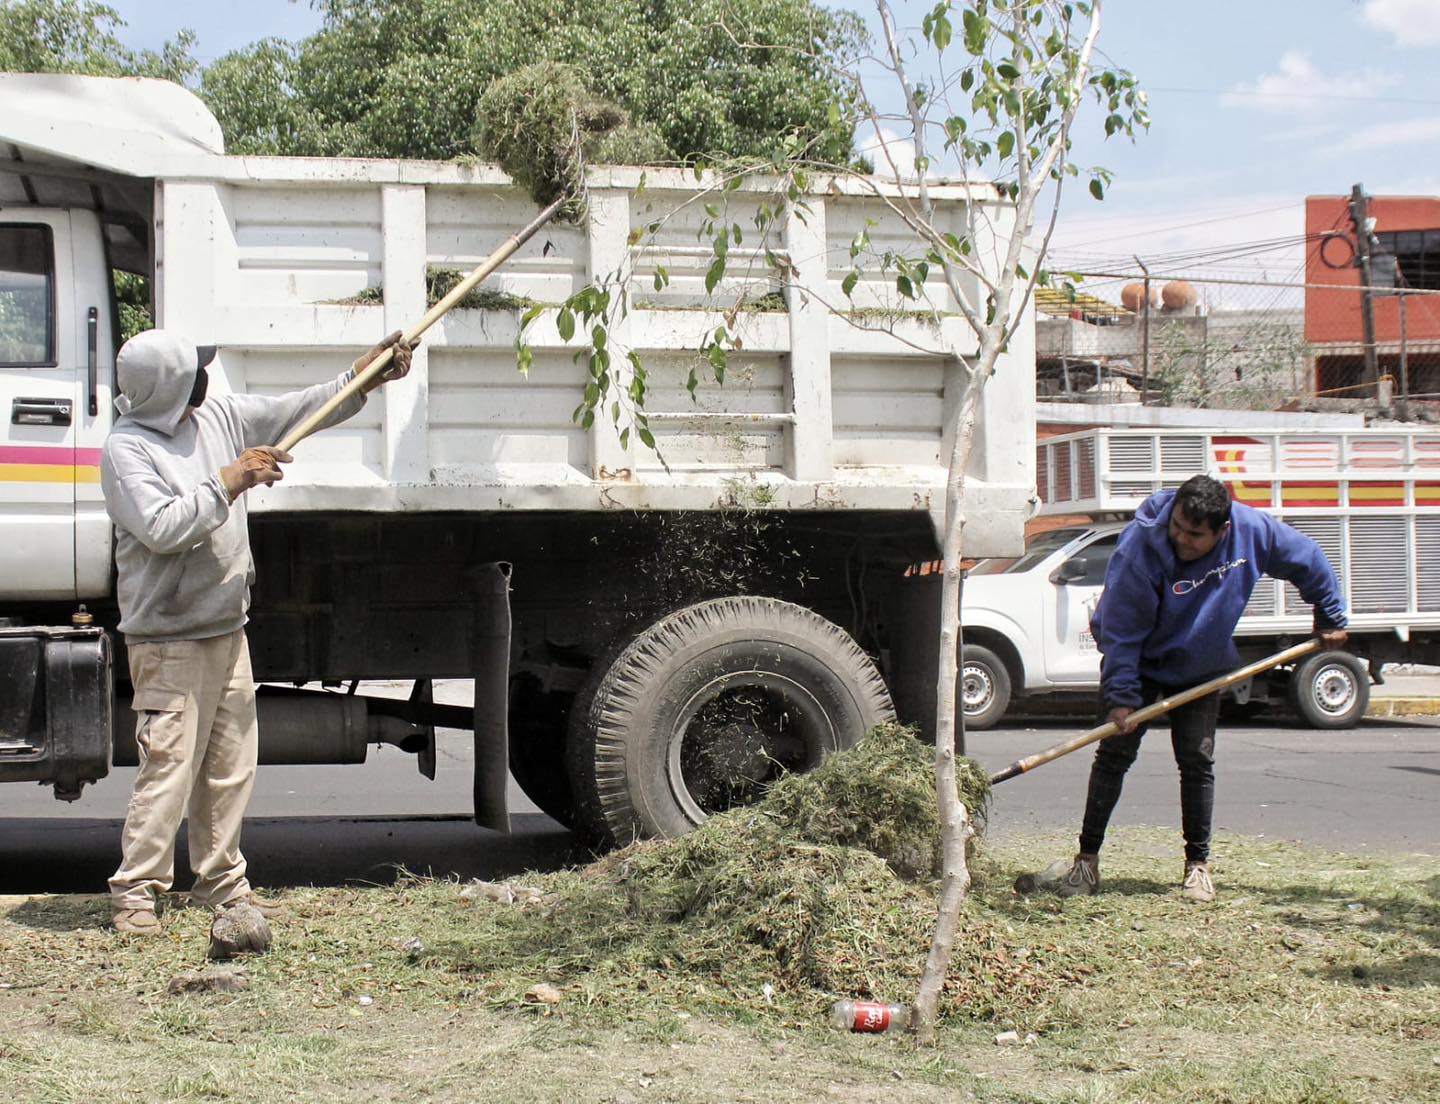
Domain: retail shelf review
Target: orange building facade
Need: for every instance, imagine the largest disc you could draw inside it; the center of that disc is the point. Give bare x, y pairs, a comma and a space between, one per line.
1406, 255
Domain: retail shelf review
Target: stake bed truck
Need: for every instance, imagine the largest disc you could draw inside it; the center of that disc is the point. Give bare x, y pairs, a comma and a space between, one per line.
651, 635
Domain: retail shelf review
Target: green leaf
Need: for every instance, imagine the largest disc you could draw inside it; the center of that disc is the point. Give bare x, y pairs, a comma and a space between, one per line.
975, 28
1005, 144
625, 438
718, 361
524, 357
648, 438
530, 315
847, 285
565, 323
904, 286
713, 274
597, 337
1096, 188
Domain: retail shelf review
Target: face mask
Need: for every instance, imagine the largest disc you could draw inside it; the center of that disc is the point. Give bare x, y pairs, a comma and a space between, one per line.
202, 384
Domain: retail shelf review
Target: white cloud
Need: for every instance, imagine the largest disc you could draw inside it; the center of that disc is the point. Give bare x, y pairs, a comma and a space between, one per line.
1411, 22
1299, 86
1405, 132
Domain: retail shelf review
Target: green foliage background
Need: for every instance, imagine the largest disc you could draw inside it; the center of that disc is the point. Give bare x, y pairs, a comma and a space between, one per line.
402, 78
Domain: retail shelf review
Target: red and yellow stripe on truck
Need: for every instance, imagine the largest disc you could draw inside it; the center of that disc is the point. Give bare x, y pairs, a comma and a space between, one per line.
48, 464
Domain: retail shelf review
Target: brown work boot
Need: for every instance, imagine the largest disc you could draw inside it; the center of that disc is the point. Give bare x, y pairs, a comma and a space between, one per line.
1197, 885
138, 921
1083, 877
265, 906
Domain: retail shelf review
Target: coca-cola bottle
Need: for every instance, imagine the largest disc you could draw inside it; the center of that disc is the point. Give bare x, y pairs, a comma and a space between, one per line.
871, 1017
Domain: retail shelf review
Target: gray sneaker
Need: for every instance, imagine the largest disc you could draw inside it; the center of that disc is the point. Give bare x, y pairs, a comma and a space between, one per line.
1197, 885
1083, 877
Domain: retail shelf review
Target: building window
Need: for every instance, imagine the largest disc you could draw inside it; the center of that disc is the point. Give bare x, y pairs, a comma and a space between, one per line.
1407, 258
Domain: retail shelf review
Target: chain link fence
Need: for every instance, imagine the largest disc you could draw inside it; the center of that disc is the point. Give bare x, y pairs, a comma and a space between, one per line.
1239, 344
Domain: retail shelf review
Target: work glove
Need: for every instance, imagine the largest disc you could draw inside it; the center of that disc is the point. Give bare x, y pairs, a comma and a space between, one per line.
260, 464
399, 364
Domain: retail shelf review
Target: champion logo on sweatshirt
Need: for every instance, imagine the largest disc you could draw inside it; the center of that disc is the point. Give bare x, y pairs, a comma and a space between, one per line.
1185, 586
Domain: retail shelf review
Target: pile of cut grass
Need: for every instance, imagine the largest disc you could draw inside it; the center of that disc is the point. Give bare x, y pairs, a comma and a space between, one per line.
539, 123
823, 889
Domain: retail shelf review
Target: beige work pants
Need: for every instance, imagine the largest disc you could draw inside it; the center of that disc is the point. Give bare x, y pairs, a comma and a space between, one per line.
195, 724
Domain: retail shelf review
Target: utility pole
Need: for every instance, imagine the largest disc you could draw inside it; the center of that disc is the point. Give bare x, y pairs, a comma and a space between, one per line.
1144, 337
1360, 220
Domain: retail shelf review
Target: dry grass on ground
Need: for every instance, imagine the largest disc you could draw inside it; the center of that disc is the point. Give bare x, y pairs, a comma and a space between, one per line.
701, 970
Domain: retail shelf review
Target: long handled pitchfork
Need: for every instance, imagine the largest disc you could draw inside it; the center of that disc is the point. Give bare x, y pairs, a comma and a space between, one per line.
1149, 712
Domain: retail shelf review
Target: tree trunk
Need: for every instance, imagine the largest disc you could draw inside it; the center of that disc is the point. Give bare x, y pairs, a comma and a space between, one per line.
956, 827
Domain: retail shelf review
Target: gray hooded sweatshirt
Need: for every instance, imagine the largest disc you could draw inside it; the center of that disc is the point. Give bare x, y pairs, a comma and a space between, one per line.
182, 548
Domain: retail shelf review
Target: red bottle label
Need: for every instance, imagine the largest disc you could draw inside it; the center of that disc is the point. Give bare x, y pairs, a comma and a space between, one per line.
871, 1016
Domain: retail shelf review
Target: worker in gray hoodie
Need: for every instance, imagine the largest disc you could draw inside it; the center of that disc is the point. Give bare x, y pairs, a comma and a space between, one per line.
175, 469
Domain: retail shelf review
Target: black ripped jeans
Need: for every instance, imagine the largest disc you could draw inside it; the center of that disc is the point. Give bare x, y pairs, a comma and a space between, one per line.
1192, 735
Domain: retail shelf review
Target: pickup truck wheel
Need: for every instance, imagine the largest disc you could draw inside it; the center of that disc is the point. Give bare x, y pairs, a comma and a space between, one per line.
1330, 690
984, 687
709, 705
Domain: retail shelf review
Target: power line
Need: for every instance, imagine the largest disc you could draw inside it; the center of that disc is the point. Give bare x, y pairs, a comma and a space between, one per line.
1242, 213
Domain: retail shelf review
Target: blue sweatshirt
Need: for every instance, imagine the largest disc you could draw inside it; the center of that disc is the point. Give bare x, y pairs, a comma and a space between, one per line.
1172, 621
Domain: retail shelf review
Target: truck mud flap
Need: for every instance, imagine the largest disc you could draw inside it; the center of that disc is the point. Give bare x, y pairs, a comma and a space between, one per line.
57, 707
490, 585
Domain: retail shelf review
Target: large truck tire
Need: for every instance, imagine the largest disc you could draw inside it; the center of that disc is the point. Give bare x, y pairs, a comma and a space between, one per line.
1330, 690
709, 705
984, 687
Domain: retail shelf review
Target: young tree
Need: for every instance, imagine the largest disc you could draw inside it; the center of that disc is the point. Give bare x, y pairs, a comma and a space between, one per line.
994, 87
1008, 103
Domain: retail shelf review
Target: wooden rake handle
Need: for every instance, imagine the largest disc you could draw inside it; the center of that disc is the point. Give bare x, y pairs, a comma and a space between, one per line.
1149, 712
433, 315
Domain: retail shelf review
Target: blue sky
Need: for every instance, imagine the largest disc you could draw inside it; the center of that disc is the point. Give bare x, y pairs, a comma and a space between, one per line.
1256, 104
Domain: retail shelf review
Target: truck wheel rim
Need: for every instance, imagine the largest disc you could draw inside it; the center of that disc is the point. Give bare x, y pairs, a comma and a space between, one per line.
738, 733
1334, 690
976, 688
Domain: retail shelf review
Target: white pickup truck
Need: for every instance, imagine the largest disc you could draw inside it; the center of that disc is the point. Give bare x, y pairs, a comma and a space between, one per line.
1369, 497
463, 525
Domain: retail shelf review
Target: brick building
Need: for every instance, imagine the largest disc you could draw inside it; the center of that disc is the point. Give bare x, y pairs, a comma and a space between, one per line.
1406, 256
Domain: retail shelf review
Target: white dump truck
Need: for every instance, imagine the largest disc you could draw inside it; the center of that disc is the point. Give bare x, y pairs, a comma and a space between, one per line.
651, 635
1369, 497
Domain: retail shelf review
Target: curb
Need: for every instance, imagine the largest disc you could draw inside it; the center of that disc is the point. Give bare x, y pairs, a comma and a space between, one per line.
1381, 707
1403, 707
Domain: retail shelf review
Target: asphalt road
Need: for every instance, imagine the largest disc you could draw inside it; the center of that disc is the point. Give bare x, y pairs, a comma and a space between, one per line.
1374, 788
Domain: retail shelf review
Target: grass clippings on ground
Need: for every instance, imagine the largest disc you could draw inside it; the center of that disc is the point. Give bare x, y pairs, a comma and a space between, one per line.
702, 969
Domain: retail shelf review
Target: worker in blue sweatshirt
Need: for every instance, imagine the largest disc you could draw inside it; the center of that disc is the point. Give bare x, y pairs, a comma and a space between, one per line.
1181, 576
